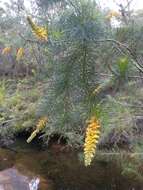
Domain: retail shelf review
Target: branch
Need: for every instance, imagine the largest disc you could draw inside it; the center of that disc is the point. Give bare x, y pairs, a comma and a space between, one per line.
31, 41
128, 3
112, 71
121, 45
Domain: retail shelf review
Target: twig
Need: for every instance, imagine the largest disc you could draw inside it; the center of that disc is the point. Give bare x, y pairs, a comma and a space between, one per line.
7, 121
31, 41
136, 63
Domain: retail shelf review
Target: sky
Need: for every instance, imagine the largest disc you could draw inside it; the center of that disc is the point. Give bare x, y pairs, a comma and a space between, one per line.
136, 4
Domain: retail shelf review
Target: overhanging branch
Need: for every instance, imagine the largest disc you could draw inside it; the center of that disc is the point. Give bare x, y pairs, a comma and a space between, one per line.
121, 45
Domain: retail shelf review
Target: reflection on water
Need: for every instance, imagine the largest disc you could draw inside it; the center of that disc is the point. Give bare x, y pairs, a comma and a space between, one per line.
59, 171
34, 184
12, 179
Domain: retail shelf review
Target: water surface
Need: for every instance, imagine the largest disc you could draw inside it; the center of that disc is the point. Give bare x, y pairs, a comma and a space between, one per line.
66, 171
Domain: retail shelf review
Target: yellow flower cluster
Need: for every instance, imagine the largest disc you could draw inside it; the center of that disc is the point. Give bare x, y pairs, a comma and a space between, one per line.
41, 123
40, 126
6, 50
20, 53
40, 32
112, 14
97, 90
91, 140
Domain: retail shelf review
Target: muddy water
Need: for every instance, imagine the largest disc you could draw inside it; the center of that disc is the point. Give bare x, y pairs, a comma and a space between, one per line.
66, 171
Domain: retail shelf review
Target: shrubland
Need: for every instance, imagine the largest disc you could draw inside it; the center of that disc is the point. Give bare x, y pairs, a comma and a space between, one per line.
68, 62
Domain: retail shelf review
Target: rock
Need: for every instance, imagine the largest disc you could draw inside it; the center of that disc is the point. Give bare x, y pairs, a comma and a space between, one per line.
11, 179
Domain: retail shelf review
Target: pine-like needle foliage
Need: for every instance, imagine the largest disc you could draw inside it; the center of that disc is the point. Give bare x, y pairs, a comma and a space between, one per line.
91, 140
68, 92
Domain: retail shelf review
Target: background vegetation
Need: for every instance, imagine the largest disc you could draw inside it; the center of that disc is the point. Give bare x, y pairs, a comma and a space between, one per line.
91, 64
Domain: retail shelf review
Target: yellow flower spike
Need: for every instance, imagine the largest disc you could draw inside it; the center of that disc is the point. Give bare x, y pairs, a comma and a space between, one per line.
40, 32
112, 14
91, 140
32, 136
20, 53
39, 127
97, 90
115, 13
6, 50
41, 123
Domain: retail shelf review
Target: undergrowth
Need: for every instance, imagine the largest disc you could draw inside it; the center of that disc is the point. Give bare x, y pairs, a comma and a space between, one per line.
17, 106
